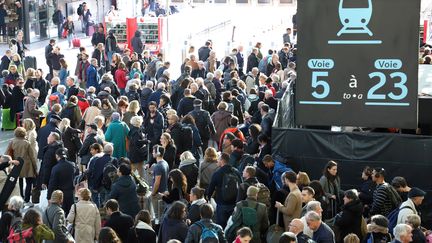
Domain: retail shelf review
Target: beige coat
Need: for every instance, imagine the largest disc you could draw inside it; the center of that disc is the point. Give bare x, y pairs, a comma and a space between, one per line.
87, 221
292, 207
31, 110
22, 148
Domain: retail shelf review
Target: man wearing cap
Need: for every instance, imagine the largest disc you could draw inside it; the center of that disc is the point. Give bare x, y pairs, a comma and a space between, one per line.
262, 222
415, 199
92, 137
62, 176
203, 122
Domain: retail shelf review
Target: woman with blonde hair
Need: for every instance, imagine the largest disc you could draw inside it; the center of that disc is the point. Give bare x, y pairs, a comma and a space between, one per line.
86, 216
21, 147
16, 60
207, 167
69, 30
189, 168
302, 180
170, 150
71, 139
30, 128
132, 110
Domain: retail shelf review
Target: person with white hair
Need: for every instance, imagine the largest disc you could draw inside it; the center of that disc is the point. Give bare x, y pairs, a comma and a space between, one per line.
200, 72
116, 133
402, 234
100, 190
314, 206
156, 95
322, 232
31, 108
10, 216
137, 145
108, 81
281, 92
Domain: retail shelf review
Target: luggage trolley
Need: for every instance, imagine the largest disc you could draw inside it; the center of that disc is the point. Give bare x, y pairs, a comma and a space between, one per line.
355, 20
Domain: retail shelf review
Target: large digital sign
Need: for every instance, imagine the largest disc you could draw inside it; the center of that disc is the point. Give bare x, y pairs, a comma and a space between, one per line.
357, 63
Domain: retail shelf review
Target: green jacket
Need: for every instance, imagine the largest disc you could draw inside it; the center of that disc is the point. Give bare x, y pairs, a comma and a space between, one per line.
41, 232
260, 227
116, 133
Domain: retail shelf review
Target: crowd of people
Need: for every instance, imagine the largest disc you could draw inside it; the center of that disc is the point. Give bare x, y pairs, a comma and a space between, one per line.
126, 153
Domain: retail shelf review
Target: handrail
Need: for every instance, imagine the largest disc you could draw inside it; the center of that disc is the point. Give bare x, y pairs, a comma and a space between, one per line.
212, 28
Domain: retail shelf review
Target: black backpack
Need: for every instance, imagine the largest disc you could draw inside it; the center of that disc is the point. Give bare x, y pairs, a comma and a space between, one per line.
151, 69
80, 10
55, 17
187, 137
108, 174
230, 186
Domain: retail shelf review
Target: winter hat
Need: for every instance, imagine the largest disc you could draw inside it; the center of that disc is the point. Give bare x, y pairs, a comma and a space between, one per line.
416, 192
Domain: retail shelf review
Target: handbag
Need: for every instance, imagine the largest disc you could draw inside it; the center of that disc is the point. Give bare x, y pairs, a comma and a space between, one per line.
71, 227
35, 195
65, 33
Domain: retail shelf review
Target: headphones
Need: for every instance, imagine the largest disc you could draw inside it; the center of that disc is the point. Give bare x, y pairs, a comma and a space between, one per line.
157, 150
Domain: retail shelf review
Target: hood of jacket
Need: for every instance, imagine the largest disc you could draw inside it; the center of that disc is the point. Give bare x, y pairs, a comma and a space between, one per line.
144, 226
124, 181
199, 202
187, 162
253, 97
355, 206
137, 33
279, 166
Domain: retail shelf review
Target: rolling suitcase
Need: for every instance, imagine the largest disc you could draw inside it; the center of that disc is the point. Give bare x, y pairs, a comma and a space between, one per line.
30, 62
6, 123
274, 231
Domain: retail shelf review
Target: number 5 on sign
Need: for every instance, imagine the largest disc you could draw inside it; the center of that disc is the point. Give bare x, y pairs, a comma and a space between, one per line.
316, 82
382, 80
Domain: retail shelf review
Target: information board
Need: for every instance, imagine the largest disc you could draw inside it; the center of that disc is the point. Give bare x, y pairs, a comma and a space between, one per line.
357, 63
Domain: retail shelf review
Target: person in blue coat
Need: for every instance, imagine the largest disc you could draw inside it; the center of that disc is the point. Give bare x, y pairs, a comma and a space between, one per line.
124, 191
62, 176
116, 133
44, 132
186, 103
277, 168
93, 75
156, 95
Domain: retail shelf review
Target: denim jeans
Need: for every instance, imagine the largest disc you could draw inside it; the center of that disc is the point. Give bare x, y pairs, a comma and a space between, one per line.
69, 38
100, 196
223, 212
